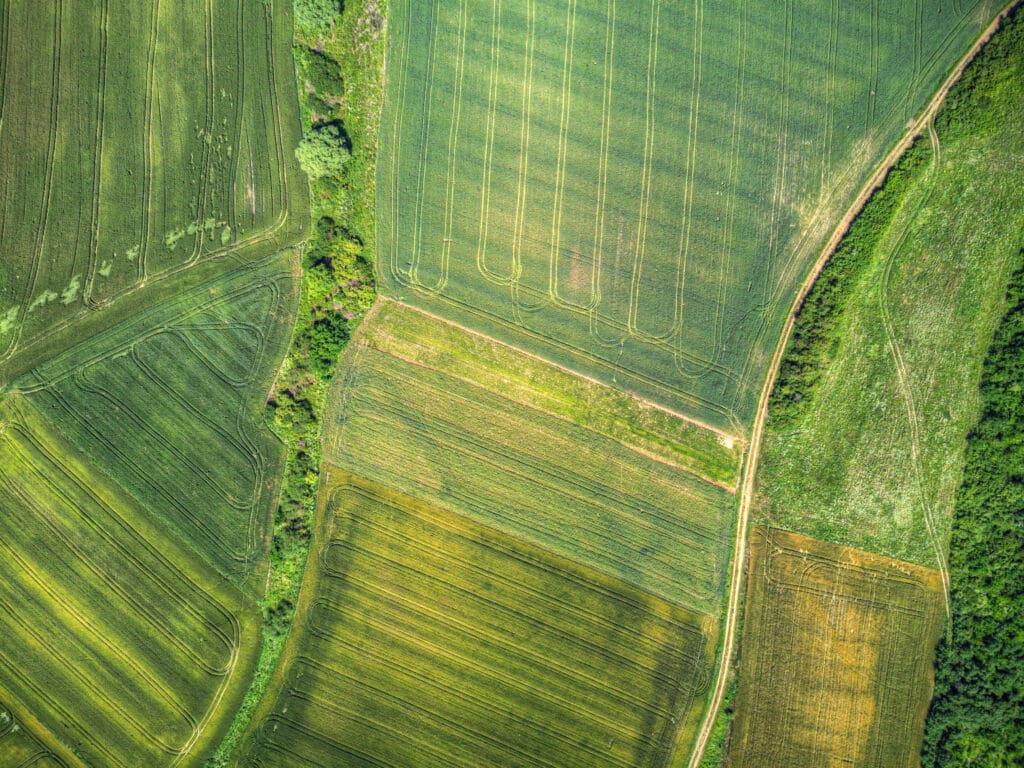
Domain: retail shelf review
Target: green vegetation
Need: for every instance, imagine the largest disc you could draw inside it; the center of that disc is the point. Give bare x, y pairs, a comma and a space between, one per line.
977, 716
430, 640
19, 748
635, 190
125, 644
467, 446
836, 661
864, 444
423, 340
339, 62
151, 400
139, 139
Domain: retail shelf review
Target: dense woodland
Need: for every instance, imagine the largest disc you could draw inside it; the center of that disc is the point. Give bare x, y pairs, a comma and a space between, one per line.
977, 715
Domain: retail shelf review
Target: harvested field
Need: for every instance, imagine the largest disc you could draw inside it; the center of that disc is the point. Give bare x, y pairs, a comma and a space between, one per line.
836, 665
137, 140
121, 641
427, 639
466, 444
635, 190
153, 399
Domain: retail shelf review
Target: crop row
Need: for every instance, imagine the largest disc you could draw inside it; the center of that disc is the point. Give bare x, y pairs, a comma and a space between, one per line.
434, 640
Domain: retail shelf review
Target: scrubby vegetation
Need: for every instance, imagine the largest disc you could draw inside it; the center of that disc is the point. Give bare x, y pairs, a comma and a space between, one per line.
339, 58
977, 715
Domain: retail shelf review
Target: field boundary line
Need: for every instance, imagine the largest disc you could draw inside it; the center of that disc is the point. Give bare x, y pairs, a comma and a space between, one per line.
642, 400
754, 446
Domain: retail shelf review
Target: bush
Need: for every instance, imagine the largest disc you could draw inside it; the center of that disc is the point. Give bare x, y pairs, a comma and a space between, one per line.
324, 151
316, 15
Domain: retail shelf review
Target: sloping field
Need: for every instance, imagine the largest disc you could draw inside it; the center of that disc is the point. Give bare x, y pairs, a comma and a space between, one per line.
168, 405
137, 139
411, 335
432, 640
19, 748
465, 444
634, 190
117, 639
837, 656
871, 455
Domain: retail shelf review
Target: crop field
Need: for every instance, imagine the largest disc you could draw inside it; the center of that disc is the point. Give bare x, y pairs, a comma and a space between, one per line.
116, 637
432, 640
21, 749
466, 445
872, 456
136, 140
837, 656
411, 335
635, 190
153, 399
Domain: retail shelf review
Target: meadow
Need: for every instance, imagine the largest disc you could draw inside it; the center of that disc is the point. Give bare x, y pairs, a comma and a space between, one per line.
427, 639
124, 643
836, 664
136, 141
864, 443
456, 437
635, 190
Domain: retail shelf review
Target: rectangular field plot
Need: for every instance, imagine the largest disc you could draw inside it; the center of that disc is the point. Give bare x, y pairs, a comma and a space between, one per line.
837, 656
116, 638
431, 640
470, 447
635, 189
428, 341
137, 138
154, 400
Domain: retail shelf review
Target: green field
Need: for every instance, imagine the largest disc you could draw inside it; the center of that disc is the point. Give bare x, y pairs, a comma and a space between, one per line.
872, 454
126, 645
635, 190
137, 140
836, 665
430, 640
19, 748
153, 399
466, 443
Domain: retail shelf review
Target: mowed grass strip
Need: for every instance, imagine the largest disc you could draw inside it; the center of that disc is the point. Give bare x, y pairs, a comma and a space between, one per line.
153, 399
431, 640
138, 139
422, 339
635, 189
837, 656
117, 639
585, 496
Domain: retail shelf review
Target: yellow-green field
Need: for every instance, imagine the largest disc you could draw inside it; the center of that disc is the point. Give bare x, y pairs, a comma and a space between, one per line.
457, 437
19, 748
636, 189
125, 644
836, 665
427, 639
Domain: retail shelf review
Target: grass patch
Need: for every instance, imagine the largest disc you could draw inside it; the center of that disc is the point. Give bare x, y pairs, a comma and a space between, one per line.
864, 443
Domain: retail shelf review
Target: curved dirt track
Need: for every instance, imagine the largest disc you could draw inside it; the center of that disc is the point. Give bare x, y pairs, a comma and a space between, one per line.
747, 487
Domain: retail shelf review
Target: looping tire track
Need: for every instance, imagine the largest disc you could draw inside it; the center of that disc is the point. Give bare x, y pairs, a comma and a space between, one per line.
747, 488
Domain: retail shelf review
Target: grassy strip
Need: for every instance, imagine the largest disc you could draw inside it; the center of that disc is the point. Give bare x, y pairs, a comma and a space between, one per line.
977, 716
339, 61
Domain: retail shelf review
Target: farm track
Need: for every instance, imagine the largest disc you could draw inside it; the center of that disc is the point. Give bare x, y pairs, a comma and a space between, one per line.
747, 488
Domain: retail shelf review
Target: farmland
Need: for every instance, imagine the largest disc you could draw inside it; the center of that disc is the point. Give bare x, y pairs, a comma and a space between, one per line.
121, 641
871, 455
635, 190
428, 639
465, 443
833, 670
136, 141
153, 398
